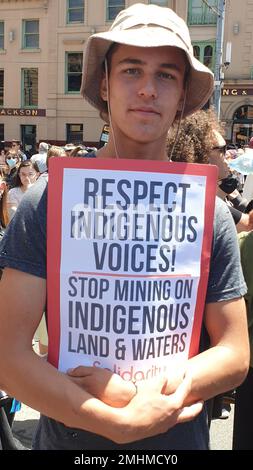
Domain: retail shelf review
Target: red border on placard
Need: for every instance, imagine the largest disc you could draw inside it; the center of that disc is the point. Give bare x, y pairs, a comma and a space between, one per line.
54, 227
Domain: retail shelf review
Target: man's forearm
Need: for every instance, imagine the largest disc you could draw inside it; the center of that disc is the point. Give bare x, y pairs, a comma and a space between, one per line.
36, 383
215, 371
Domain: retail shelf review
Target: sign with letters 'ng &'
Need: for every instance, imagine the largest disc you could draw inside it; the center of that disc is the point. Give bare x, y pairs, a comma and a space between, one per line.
128, 256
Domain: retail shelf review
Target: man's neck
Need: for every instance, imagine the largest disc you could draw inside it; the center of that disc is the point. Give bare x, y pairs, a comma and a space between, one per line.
134, 151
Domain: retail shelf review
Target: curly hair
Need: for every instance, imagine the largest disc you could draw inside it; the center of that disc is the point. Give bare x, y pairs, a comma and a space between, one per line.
195, 138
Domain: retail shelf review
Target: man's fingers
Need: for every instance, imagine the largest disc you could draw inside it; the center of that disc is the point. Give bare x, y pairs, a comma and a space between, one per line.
80, 371
190, 412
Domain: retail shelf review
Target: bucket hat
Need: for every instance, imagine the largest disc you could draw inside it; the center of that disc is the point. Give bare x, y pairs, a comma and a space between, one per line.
143, 25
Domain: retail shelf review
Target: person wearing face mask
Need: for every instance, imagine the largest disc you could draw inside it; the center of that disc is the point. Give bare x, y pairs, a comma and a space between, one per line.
200, 140
12, 162
228, 187
26, 176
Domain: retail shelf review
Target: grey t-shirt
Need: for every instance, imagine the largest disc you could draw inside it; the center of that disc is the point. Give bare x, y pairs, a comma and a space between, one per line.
24, 248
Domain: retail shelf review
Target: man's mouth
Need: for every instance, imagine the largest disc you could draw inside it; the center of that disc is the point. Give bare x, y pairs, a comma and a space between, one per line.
145, 111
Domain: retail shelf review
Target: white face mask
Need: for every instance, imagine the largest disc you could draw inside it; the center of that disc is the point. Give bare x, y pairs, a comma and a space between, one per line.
11, 162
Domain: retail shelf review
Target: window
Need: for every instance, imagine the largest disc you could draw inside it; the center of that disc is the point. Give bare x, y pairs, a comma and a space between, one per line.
74, 61
28, 137
244, 112
75, 133
200, 13
75, 11
29, 88
205, 52
242, 129
1, 87
2, 132
31, 34
161, 3
1, 34
113, 8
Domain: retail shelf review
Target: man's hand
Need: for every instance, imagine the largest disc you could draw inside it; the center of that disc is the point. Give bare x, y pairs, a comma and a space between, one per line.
150, 412
104, 385
114, 391
144, 410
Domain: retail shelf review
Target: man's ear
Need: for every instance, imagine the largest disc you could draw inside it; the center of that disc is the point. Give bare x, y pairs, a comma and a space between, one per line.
103, 89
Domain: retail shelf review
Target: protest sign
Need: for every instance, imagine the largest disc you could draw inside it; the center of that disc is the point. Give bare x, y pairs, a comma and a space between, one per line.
128, 257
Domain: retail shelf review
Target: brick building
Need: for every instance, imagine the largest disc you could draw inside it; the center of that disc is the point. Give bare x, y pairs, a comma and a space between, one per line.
41, 46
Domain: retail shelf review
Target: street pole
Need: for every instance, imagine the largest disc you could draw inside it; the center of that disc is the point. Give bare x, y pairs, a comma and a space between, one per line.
219, 51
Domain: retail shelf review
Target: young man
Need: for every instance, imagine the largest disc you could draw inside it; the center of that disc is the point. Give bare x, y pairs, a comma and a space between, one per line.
142, 76
16, 146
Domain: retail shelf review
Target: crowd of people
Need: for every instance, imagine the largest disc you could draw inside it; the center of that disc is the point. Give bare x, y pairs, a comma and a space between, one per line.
150, 89
18, 173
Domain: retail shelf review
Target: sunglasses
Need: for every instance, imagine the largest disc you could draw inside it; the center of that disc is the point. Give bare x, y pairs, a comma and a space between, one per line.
221, 148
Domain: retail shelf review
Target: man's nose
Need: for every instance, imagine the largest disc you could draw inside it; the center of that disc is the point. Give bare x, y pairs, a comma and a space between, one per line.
148, 88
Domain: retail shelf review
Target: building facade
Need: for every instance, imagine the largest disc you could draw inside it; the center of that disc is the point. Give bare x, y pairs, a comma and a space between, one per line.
237, 91
41, 50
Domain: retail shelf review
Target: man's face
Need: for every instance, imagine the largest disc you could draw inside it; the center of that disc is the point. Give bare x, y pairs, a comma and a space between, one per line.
27, 176
15, 146
217, 155
146, 88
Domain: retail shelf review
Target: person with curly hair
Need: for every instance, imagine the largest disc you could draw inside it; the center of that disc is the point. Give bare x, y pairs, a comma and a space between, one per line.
194, 141
199, 140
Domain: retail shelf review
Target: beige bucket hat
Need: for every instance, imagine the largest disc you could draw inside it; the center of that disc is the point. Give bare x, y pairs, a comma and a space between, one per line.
145, 26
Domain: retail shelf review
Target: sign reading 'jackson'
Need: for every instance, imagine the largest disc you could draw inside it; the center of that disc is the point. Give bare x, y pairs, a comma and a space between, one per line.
237, 91
22, 112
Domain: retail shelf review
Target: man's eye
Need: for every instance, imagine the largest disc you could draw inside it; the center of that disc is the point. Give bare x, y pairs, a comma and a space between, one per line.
132, 71
166, 75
